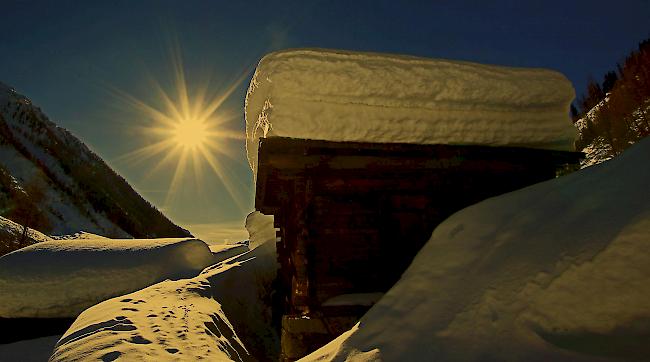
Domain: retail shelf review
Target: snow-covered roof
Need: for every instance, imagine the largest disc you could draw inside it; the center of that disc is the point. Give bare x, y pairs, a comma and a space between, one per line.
351, 96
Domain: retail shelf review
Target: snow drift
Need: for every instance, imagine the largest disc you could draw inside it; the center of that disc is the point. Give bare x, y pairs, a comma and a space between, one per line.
171, 320
347, 96
260, 228
555, 271
222, 314
61, 278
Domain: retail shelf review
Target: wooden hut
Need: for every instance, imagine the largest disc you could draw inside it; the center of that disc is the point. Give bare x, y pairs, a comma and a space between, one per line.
352, 216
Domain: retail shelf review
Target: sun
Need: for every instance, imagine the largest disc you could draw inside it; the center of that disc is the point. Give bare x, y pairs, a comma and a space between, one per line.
190, 133
187, 128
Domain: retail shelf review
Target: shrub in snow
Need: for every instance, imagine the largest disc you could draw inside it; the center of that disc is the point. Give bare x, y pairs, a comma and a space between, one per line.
556, 271
345, 96
61, 278
11, 234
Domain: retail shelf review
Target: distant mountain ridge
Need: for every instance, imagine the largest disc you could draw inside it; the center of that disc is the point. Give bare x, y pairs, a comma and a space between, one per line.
71, 188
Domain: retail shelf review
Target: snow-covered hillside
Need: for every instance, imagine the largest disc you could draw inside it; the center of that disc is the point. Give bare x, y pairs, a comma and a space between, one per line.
555, 271
170, 321
592, 141
596, 150
79, 191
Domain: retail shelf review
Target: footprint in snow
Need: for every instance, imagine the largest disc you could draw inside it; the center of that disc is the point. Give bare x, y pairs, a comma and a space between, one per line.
139, 340
110, 356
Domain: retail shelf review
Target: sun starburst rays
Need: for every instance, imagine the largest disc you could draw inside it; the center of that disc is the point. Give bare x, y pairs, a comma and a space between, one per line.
187, 132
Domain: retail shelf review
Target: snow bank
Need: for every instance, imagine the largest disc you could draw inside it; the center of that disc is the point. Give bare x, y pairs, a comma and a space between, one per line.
347, 96
187, 319
245, 293
171, 320
555, 271
227, 251
60, 278
260, 228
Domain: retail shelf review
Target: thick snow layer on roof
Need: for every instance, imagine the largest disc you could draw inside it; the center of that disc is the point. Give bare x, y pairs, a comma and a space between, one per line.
61, 278
555, 271
346, 96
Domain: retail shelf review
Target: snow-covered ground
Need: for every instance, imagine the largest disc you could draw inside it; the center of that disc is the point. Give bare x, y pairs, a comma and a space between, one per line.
348, 96
211, 316
171, 320
61, 278
555, 271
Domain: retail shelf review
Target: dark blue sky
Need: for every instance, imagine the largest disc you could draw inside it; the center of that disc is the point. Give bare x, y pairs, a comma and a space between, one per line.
65, 55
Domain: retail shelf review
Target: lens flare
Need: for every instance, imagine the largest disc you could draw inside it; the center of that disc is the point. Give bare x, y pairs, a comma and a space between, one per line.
190, 133
188, 127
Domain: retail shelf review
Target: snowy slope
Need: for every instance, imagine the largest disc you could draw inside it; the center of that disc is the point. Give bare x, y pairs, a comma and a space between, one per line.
61, 278
596, 150
11, 233
555, 271
217, 315
594, 145
221, 314
171, 320
346, 96
80, 191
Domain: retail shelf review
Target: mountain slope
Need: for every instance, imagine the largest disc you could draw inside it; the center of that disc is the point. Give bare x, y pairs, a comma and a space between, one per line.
593, 139
67, 186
